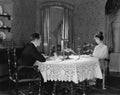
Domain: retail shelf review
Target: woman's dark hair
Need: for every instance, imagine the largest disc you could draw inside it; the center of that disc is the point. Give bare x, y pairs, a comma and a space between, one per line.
100, 35
35, 36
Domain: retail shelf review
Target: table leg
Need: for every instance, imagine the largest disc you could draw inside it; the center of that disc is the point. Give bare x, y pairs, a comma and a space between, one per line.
71, 88
84, 87
54, 88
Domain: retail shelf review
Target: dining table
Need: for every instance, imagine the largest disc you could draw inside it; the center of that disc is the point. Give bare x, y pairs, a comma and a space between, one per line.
75, 69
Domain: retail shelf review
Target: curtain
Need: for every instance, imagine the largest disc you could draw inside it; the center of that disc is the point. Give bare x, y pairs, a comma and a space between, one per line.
109, 32
45, 29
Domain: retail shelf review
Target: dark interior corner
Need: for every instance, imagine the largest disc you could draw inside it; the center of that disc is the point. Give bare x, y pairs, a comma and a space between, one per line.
112, 6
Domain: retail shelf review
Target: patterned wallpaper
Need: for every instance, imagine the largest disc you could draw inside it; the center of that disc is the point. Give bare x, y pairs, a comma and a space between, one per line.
23, 21
89, 18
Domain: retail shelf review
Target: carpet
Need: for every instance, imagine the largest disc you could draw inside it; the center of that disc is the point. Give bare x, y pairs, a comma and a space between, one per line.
112, 88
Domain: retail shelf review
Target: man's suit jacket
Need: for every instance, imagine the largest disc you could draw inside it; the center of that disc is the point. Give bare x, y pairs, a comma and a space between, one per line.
30, 54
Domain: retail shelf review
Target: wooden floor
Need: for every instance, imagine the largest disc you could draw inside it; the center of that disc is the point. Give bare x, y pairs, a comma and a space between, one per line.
4, 93
111, 91
112, 88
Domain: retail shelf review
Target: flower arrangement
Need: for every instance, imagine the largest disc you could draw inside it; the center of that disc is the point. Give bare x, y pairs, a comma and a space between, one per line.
87, 48
68, 52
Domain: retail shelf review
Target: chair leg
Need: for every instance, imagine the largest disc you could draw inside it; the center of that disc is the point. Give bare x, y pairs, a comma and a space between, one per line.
54, 88
13, 88
39, 92
103, 81
10, 88
16, 88
71, 88
29, 88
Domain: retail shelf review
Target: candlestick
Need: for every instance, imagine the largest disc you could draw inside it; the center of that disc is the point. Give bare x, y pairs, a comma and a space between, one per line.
61, 45
62, 49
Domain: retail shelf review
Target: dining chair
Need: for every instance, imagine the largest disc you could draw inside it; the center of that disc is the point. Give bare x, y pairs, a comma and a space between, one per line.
31, 84
104, 63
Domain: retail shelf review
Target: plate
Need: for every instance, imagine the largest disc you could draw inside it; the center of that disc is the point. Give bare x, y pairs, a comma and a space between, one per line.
85, 56
1, 9
1, 23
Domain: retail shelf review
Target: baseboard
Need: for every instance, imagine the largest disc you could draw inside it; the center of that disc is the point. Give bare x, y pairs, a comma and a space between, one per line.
115, 74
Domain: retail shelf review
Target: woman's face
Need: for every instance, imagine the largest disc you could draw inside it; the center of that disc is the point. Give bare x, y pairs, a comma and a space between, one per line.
97, 40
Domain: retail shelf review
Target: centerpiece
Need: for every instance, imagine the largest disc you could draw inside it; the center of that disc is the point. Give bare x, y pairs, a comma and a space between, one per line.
68, 52
88, 48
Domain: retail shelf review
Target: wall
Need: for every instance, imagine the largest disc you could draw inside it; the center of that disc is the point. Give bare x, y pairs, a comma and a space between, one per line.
88, 18
23, 20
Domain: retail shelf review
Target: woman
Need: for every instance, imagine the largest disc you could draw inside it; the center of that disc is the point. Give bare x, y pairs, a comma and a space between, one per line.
100, 50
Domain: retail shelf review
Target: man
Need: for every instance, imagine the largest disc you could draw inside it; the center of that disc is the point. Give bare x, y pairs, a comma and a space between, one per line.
30, 53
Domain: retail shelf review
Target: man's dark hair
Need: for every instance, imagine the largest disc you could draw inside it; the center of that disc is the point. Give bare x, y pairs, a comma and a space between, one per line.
35, 36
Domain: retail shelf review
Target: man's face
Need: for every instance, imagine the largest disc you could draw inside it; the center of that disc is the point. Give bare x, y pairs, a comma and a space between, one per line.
38, 42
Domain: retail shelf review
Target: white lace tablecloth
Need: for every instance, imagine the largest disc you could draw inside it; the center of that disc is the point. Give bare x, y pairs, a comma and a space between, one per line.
71, 69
